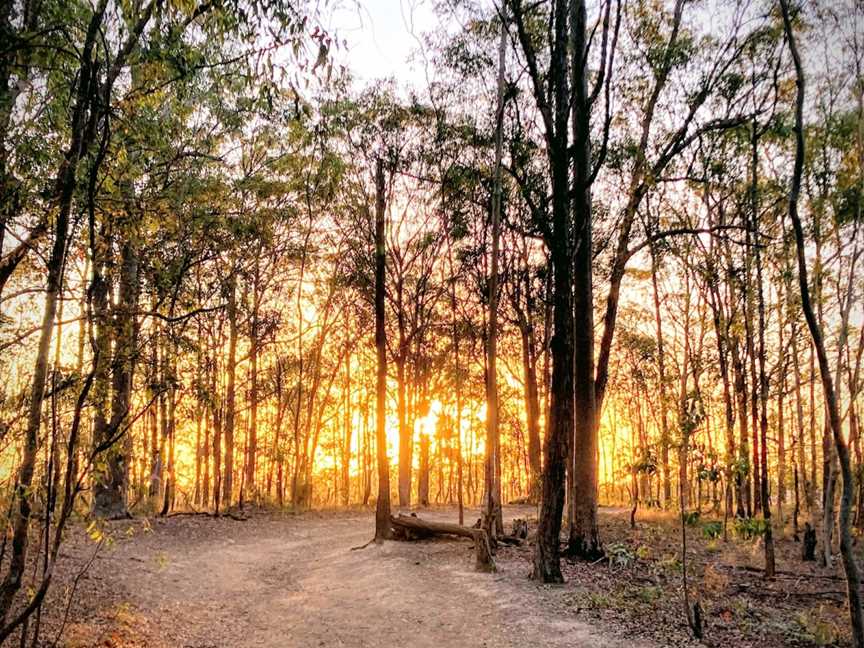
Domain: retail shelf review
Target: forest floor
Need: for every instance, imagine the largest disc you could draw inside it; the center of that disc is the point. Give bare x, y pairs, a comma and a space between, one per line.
293, 580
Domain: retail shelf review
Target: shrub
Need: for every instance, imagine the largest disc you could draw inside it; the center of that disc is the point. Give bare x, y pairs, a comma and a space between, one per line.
749, 528
712, 529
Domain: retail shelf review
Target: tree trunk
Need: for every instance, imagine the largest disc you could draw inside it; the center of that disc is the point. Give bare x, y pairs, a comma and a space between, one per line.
382, 508
406, 435
584, 540
661, 381
81, 132
559, 435
457, 371
763, 375
348, 434
110, 494
853, 580
492, 517
423, 477
252, 442
231, 369
100, 289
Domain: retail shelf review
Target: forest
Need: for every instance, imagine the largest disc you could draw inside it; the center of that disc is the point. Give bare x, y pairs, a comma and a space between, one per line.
555, 340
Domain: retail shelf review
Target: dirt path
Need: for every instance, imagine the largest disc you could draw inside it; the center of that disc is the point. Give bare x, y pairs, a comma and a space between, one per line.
294, 581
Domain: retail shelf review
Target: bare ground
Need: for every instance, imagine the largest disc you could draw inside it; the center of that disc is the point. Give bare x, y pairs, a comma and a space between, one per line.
283, 580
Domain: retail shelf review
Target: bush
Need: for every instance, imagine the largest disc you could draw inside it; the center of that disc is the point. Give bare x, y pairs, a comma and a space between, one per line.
749, 528
690, 518
619, 555
712, 529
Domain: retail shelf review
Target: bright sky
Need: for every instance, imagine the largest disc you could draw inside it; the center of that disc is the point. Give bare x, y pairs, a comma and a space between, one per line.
381, 36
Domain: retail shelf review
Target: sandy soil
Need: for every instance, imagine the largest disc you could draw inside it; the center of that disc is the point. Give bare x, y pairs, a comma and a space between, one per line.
294, 581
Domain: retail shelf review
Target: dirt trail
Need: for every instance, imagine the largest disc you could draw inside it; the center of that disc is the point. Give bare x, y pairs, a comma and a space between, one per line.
294, 581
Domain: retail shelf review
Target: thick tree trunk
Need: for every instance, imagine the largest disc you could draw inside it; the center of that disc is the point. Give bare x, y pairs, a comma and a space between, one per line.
584, 536
559, 435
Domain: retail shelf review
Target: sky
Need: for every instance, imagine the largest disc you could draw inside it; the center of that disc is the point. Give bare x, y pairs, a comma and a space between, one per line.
381, 35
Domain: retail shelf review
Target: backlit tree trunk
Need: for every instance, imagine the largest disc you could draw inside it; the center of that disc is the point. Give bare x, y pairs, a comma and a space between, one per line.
230, 405
382, 507
584, 534
492, 516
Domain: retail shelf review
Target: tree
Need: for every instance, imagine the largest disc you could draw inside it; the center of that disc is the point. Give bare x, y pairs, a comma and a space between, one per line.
382, 506
853, 579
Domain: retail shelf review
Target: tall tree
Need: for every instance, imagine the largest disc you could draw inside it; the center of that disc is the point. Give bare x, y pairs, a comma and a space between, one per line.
850, 567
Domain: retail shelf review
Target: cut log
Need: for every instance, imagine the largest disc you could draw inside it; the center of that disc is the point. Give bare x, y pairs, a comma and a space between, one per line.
410, 527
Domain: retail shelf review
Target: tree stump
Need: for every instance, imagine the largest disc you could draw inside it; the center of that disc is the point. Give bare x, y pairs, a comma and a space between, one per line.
520, 529
808, 547
410, 527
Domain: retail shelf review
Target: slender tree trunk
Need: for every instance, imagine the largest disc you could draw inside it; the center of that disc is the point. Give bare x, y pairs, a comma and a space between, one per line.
492, 515
100, 289
348, 434
457, 372
230, 405
781, 422
406, 435
853, 579
683, 410
423, 477
382, 508
110, 494
208, 427
252, 443
81, 131
763, 375
532, 411
661, 381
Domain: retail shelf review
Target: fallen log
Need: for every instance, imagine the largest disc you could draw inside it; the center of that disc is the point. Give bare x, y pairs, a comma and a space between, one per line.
409, 527
227, 514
